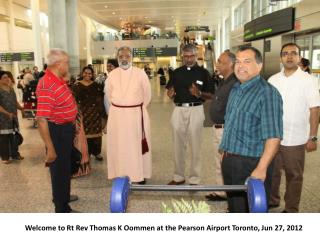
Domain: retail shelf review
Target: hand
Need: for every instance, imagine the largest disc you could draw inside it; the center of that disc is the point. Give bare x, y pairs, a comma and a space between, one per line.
51, 156
259, 173
171, 93
22, 112
194, 91
311, 146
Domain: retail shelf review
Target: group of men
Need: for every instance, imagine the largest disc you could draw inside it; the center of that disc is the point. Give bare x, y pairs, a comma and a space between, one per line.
259, 128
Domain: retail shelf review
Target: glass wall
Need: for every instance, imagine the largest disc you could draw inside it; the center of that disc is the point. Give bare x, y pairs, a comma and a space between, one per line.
310, 49
263, 7
240, 15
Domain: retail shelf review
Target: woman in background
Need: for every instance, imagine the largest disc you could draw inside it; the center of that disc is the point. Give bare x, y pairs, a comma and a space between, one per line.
89, 97
8, 119
305, 65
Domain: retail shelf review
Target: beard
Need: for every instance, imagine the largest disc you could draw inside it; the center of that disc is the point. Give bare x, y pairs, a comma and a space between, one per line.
125, 65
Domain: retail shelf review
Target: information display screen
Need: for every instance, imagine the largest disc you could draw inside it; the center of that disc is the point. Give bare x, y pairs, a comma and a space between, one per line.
6, 57
143, 52
166, 52
270, 25
19, 57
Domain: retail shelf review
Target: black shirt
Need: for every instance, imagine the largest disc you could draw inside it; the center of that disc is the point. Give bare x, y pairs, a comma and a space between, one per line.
220, 100
182, 79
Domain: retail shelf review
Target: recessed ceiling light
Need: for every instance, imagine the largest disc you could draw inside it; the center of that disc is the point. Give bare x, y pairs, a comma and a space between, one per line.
106, 6
113, 13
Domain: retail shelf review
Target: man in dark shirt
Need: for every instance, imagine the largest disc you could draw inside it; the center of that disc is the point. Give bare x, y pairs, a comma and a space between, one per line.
187, 88
225, 65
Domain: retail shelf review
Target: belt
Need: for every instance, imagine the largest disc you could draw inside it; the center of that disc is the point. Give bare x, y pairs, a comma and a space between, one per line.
218, 126
227, 154
64, 124
192, 104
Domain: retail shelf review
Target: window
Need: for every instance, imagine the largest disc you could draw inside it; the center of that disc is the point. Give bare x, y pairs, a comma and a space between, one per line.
263, 7
240, 15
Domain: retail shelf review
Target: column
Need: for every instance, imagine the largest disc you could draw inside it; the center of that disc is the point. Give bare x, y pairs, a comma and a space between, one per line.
73, 36
223, 34
15, 65
88, 40
57, 24
36, 30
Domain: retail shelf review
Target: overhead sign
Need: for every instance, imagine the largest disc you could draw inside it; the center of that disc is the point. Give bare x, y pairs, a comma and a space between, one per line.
143, 52
6, 57
269, 25
17, 57
197, 28
155, 52
166, 52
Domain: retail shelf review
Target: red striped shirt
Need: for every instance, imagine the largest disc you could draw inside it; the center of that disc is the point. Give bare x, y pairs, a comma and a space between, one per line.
55, 100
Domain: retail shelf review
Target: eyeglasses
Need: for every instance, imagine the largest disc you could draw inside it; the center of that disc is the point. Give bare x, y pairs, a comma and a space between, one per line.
293, 54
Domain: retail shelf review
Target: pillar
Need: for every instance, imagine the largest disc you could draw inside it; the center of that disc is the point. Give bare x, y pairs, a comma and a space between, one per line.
36, 31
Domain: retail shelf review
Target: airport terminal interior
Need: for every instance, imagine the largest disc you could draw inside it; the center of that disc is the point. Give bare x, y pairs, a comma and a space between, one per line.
92, 31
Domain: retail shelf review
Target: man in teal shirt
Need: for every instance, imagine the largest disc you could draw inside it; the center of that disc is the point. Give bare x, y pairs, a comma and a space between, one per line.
253, 128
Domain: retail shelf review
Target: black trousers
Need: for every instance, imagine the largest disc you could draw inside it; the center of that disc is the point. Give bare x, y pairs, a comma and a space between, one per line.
235, 171
8, 149
62, 138
94, 145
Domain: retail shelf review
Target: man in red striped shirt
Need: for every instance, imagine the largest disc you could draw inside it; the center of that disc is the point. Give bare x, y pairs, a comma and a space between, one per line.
56, 113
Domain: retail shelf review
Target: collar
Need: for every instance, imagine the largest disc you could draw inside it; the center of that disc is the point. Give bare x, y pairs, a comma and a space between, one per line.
297, 72
232, 77
248, 84
191, 68
51, 75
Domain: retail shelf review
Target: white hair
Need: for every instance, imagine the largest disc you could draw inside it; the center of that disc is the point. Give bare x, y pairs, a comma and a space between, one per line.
55, 55
124, 48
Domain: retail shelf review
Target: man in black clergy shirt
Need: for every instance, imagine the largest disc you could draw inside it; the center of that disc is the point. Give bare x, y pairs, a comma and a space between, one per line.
188, 88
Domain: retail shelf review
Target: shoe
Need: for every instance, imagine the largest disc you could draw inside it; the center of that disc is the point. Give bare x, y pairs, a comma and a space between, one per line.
73, 198
99, 158
173, 182
273, 205
6, 161
215, 197
284, 211
74, 211
140, 183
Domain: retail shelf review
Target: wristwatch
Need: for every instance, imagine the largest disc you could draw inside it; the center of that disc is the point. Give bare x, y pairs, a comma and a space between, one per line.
313, 138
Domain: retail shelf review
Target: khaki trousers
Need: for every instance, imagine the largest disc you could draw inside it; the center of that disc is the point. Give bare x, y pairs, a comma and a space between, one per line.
291, 160
187, 124
217, 137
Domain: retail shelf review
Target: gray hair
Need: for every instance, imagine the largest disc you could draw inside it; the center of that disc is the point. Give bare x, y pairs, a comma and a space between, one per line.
55, 55
124, 48
189, 48
231, 56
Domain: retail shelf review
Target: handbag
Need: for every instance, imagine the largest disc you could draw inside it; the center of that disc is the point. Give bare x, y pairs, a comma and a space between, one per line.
17, 136
76, 157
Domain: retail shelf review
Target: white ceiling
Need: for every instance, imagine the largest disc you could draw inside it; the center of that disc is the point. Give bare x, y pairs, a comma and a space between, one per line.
165, 14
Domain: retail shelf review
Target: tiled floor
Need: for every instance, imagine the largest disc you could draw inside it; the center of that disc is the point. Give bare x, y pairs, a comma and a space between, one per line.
25, 185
